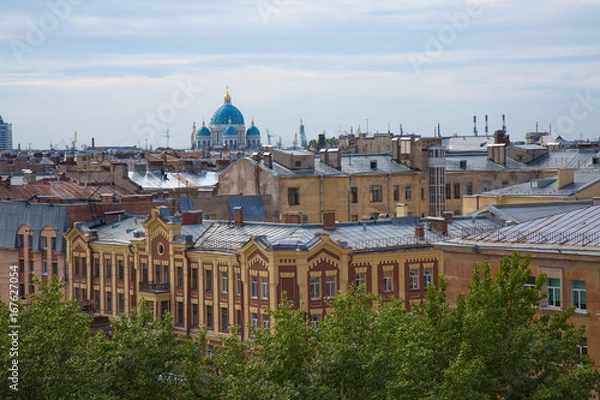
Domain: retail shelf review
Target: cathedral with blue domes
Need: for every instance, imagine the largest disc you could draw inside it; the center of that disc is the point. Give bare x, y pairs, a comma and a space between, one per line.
227, 130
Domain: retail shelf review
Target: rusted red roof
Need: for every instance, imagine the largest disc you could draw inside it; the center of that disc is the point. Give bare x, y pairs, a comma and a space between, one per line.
63, 189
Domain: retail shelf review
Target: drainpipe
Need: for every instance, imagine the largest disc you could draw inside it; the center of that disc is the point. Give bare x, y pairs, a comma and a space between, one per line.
321, 198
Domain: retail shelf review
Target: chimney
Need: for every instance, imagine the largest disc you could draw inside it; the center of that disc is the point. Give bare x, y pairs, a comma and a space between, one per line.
93, 143
503, 123
238, 216
401, 210
193, 217
107, 198
329, 219
474, 125
486, 125
566, 176
448, 215
497, 153
322, 140
292, 217
268, 160
420, 231
334, 158
440, 225
29, 175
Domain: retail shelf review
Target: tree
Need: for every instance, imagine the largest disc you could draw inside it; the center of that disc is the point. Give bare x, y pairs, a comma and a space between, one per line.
274, 363
138, 361
53, 355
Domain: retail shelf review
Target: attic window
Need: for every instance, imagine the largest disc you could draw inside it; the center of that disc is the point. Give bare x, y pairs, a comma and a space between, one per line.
373, 164
463, 164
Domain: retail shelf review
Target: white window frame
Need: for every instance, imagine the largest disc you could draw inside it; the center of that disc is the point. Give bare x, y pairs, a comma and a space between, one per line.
264, 287
413, 279
360, 278
254, 287
427, 277
553, 293
388, 281
315, 287
223, 282
576, 296
330, 286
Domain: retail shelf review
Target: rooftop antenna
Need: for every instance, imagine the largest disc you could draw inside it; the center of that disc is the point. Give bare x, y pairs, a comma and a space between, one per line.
475, 125
167, 135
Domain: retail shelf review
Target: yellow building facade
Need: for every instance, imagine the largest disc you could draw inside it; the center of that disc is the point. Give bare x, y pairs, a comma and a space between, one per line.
220, 274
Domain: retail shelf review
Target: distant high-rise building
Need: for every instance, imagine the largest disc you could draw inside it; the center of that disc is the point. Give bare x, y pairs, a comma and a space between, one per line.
5, 135
303, 141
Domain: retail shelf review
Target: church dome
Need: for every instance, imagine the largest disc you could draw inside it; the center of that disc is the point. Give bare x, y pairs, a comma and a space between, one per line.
227, 113
204, 131
230, 131
253, 130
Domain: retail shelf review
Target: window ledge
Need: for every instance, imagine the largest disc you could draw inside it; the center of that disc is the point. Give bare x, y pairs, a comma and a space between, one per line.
550, 308
582, 312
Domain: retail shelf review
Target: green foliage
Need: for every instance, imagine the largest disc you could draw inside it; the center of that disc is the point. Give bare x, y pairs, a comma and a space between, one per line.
274, 363
54, 361
138, 362
493, 344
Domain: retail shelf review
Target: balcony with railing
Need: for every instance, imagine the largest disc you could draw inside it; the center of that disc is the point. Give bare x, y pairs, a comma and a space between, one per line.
154, 287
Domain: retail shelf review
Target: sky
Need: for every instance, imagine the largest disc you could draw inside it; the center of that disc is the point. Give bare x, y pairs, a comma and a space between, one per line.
142, 72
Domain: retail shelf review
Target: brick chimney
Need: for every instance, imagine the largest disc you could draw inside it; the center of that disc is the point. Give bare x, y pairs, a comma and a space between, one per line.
193, 217
329, 219
440, 225
238, 216
448, 215
420, 231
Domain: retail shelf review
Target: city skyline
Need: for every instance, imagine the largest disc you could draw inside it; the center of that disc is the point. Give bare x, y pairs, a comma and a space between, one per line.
124, 73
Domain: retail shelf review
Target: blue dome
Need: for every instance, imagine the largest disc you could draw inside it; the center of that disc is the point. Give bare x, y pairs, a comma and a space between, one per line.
204, 131
230, 131
227, 114
253, 131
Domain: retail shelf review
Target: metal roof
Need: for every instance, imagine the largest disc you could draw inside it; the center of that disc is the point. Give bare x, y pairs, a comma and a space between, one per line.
566, 158
36, 216
65, 189
225, 236
350, 165
467, 143
548, 187
529, 211
576, 231
480, 162
173, 180
254, 209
